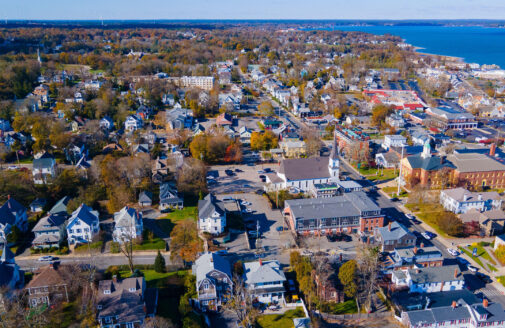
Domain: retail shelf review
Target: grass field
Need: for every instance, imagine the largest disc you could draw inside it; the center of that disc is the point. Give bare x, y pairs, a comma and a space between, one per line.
379, 175
284, 320
347, 307
167, 222
156, 243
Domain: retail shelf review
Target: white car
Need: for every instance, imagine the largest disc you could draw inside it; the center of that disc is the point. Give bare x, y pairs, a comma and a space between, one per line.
409, 216
12, 167
452, 251
472, 268
426, 236
47, 258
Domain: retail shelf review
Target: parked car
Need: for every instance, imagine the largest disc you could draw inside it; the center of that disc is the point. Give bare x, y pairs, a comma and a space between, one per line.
462, 261
262, 176
426, 236
472, 268
267, 170
47, 258
280, 228
238, 170
409, 216
261, 171
452, 251
229, 173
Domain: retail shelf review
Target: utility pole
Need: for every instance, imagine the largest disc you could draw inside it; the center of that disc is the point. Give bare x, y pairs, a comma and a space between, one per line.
400, 174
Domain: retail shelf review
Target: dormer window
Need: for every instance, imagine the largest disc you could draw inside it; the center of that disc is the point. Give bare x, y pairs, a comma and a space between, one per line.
132, 289
106, 292
99, 307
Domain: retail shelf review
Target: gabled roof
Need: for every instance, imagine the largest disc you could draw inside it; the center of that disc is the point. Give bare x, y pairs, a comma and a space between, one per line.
49, 222
8, 211
305, 168
396, 232
50, 276
145, 196
436, 274
209, 205
85, 214
263, 272
432, 163
127, 217
208, 262
44, 161
60, 206
168, 194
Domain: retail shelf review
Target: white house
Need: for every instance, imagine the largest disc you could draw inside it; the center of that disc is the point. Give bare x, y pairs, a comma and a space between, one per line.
394, 141
460, 200
127, 224
265, 281
211, 215
106, 123
44, 168
304, 173
429, 279
82, 225
49, 231
133, 123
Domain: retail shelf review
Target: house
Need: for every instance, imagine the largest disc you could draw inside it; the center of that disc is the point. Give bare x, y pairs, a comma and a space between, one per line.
168, 99
499, 241
128, 225
11, 277
214, 282
107, 123
125, 302
490, 222
449, 118
394, 235
350, 186
352, 213
49, 285
12, 214
326, 285
394, 141
44, 168
303, 173
322, 190
265, 281
145, 198
459, 314
395, 120
78, 123
430, 279
293, 149
49, 231
37, 205
387, 160
82, 225
133, 123
169, 197
414, 257
224, 119
245, 135
61, 206
211, 215
460, 200
179, 118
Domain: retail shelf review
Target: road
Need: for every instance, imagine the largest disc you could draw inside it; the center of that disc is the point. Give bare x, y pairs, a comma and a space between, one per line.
101, 261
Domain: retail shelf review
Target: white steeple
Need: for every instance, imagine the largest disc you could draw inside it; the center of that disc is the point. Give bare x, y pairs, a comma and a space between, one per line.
334, 162
426, 150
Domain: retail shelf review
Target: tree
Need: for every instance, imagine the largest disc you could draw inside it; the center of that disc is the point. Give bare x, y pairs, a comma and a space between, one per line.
449, 223
266, 108
158, 322
159, 263
240, 303
379, 114
348, 276
264, 140
191, 177
368, 270
185, 243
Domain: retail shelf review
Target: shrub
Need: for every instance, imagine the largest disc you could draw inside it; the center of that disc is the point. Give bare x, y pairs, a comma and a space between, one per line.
159, 263
500, 253
114, 247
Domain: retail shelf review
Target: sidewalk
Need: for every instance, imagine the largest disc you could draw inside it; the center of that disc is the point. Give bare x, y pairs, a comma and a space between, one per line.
86, 254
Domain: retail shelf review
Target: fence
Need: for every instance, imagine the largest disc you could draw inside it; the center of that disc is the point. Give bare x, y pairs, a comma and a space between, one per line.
327, 316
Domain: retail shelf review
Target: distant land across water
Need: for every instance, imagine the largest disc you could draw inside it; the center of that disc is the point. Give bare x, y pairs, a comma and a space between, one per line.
475, 44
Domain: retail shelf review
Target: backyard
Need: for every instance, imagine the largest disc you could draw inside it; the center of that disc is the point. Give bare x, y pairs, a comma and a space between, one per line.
284, 320
167, 222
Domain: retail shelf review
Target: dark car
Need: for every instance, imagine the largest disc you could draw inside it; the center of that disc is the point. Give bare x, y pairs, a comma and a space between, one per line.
484, 278
238, 170
262, 176
394, 199
260, 192
267, 170
229, 173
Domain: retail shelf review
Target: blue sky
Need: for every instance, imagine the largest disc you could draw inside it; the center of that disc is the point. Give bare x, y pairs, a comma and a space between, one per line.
257, 9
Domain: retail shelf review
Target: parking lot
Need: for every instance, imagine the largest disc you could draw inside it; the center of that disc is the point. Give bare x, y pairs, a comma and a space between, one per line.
274, 236
245, 178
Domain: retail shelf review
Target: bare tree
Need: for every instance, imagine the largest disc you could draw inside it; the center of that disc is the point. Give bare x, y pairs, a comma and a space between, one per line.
158, 322
240, 303
368, 271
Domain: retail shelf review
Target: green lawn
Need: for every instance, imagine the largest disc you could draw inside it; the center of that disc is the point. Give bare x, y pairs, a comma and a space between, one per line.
284, 320
341, 308
96, 246
501, 280
481, 253
156, 243
391, 191
379, 175
469, 253
167, 222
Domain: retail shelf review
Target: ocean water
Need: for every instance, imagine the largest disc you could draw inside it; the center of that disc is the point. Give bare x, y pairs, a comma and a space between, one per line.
474, 44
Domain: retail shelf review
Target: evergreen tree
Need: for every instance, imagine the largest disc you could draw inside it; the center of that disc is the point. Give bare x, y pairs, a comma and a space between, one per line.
159, 263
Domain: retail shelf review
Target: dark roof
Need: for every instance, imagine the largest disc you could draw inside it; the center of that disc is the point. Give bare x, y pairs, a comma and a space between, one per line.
50, 222
209, 205
432, 163
50, 276
305, 168
44, 161
168, 194
145, 196
397, 231
60, 206
8, 211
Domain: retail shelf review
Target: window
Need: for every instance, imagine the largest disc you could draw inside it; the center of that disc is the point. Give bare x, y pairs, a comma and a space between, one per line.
206, 286
106, 292
78, 230
132, 289
99, 307
108, 319
71, 231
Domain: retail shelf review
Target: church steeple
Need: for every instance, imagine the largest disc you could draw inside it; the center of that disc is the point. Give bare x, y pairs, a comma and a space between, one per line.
426, 150
333, 161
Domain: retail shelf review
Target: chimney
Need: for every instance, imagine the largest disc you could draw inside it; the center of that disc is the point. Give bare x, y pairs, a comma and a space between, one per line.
261, 262
114, 278
492, 150
454, 304
415, 249
485, 302
368, 240
455, 273
422, 245
465, 197
389, 226
479, 197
